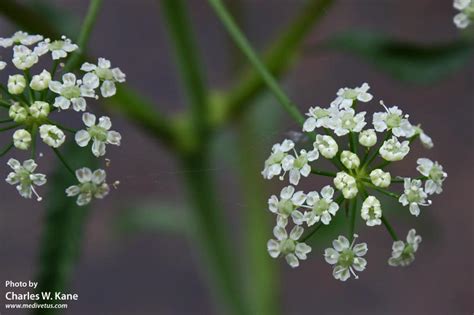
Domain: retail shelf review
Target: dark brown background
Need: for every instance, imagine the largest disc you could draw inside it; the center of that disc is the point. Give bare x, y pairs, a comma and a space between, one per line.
156, 273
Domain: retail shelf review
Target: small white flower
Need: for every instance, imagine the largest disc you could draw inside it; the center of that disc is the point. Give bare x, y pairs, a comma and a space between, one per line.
24, 178
435, 174
368, 138
40, 82
23, 57
347, 121
71, 91
39, 110
403, 254
298, 165
20, 38
3, 64
426, 140
52, 135
393, 120
18, 113
273, 163
350, 159
346, 257
90, 185
346, 96
16, 84
394, 150
22, 139
414, 196
371, 211
107, 75
58, 48
380, 178
321, 207
287, 205
347, 184
288, 246
100, 134
326, 145
317, 117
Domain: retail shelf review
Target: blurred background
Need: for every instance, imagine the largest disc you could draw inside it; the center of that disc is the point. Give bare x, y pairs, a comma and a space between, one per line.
138, 252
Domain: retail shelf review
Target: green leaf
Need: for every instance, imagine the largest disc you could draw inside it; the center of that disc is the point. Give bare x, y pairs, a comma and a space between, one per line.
153, 217
405, 61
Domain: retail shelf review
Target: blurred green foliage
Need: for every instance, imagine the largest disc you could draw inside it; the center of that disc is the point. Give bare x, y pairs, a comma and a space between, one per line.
405, 61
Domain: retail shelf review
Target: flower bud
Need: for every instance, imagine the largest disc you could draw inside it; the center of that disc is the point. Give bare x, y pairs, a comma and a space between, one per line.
18, 113
16, 84
39, 109
40, 81
380, 178
326, 145
22, 139
52, 135
347, 184
350, 160
368, 138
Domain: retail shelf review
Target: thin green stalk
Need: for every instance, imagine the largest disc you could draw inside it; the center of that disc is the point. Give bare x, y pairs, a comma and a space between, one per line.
210, 227
312, 232
375, 149
5, 104
242, 42
61, 126
389, 228
323, 173
28, 80
402, 180
61, 158
84, 35
384, 191
277, 59
352, 142
9, 127
34, 132
189, 64
261, 272
6, 149
353, 216
6, 121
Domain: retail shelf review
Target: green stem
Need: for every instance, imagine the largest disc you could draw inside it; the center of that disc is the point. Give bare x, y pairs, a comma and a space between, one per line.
384, 191
84, 35
375, 149
278, 58
34, 131
61, 158
402, 180
352, 142
28, 80
61, 126
6, 149
188, 63
353, 215
323, 173
311, 233
389, 228
242, 42
6, 121
5, 104
9, 127
260, 271
212, 233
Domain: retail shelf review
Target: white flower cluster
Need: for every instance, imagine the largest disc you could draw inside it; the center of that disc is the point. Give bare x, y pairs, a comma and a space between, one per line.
466, 15
33, 98
360, 154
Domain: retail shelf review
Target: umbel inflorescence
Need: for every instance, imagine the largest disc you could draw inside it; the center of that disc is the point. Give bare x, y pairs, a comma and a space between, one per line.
33, 101
361, 154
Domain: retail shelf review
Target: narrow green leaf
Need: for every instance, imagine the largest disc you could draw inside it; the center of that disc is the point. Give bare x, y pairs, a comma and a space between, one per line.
405, 61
